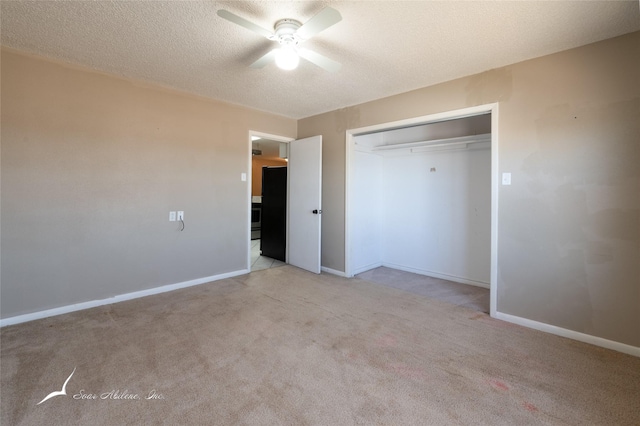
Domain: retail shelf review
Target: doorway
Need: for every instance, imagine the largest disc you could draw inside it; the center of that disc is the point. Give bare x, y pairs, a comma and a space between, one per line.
269, 161
303, 200
361, 244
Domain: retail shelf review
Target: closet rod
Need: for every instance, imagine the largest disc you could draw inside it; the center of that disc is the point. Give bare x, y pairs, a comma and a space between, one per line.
436, 142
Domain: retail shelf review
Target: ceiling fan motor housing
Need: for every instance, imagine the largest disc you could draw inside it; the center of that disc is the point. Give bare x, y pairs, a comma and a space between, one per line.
285, 32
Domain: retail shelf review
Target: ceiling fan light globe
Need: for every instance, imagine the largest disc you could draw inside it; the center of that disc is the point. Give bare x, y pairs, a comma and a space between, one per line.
287, 59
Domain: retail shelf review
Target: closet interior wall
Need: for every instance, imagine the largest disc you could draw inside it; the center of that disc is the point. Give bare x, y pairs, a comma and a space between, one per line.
424, 209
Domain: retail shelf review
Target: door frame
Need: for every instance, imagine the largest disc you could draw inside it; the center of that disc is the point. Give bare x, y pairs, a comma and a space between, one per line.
425, 119
271, 137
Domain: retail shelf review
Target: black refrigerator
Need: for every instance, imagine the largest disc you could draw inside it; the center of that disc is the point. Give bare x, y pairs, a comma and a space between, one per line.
274, 212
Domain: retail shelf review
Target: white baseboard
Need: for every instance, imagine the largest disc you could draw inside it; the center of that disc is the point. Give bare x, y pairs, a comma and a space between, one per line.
438, 275
559, 331
115, 299
333, 271
366, 268
547, 328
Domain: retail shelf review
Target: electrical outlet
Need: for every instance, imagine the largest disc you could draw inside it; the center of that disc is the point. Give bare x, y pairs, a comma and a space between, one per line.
181, 215
172, 216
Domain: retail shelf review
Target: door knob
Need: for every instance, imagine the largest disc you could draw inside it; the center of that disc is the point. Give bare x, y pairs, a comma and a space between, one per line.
317, 211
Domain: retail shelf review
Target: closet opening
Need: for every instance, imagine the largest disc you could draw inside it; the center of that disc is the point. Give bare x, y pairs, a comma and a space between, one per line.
422, 198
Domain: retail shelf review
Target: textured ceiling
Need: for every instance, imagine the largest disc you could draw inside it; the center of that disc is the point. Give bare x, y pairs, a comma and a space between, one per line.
385, 47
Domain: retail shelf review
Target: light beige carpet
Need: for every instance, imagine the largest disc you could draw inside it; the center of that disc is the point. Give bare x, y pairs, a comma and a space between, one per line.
466, 295
283, 346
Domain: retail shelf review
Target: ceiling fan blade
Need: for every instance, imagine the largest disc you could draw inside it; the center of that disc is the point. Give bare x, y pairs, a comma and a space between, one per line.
269, 57
323, 20
319, 60
244, 23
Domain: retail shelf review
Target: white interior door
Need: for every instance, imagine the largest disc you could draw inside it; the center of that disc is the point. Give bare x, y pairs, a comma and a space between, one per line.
305, 209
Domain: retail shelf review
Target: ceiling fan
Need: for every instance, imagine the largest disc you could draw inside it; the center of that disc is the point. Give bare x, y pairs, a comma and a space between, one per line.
290, 34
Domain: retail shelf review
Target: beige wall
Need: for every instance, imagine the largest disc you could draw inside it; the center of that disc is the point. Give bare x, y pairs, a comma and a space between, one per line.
91, 167
569, 225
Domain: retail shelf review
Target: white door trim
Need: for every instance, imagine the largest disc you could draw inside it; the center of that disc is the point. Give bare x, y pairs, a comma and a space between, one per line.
276, 138
448, 115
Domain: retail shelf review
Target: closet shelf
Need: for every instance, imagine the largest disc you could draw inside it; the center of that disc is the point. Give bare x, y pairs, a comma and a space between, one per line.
449, 142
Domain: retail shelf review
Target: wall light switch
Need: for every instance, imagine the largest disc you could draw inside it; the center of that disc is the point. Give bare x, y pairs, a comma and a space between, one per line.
506, 178
180, 215
243, 177
172, 216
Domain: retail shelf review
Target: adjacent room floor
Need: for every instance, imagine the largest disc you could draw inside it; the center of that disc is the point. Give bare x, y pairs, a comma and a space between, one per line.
259, 262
